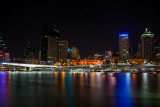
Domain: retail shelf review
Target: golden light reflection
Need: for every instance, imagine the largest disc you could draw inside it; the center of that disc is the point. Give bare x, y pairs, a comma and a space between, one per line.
134, 79
94, 79
63, 80
55, 77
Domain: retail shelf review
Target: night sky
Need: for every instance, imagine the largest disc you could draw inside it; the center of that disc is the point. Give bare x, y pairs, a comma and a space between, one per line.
92, 26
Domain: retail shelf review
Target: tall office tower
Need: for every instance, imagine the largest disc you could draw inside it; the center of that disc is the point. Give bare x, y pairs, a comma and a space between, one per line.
3, 46
4, 56
139, 53
49, 43
29, 51
75, 53
124, 46
69, 53
157, 51
62, 51
147, 40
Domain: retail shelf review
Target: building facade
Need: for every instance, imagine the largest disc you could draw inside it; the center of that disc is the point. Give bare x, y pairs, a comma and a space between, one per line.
29, 51
3, 46
157, 51
139, 53
98, 56
123, 46
108, 54
75, 53
4, 56
49, 44
147, 40
69, 53
62, 51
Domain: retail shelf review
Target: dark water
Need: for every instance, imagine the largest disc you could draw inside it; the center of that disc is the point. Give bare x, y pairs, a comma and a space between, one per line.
48, 89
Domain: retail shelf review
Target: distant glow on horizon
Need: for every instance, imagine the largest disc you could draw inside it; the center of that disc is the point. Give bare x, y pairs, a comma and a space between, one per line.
123, 35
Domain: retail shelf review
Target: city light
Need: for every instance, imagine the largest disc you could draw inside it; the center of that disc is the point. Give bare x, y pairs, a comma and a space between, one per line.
28, 65
123, 35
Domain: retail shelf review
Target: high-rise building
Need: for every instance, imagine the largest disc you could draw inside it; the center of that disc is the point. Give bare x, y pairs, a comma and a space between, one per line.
147, 40
108, 54
124, 46
49, 44
157, 51
62, 51
69, 53
3, 46
139, 53
4, 56
29, 51
75, 53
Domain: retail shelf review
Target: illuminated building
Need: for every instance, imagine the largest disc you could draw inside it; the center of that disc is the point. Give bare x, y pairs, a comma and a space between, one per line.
86, 62
124, 46
3, 46
108, 54
139, 53
29, 54
137, 61
157, 51
147, 40
69, 53
98, 56
62, 51
114, 59
29, 51
49, 44
75, 53
4, 56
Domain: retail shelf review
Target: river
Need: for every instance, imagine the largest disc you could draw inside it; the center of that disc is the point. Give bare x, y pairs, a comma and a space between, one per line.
71, 89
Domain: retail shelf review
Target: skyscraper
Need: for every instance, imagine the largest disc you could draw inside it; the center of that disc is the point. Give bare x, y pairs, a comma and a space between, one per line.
157, 51
3, 46
62, 51
124, 46
75, 53
139, 53
4, 56
29, 51
69, 53
147, 40
49, 43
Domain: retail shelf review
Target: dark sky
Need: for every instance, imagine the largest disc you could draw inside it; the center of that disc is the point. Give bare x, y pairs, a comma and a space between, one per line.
92, 26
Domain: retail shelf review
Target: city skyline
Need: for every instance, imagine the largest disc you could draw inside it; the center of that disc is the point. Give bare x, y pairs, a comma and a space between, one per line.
80, 53
100, 51
86, 25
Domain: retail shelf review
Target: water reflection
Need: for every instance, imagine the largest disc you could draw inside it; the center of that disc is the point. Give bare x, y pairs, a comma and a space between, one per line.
145, 81
123, 91
79, 89
3, 99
